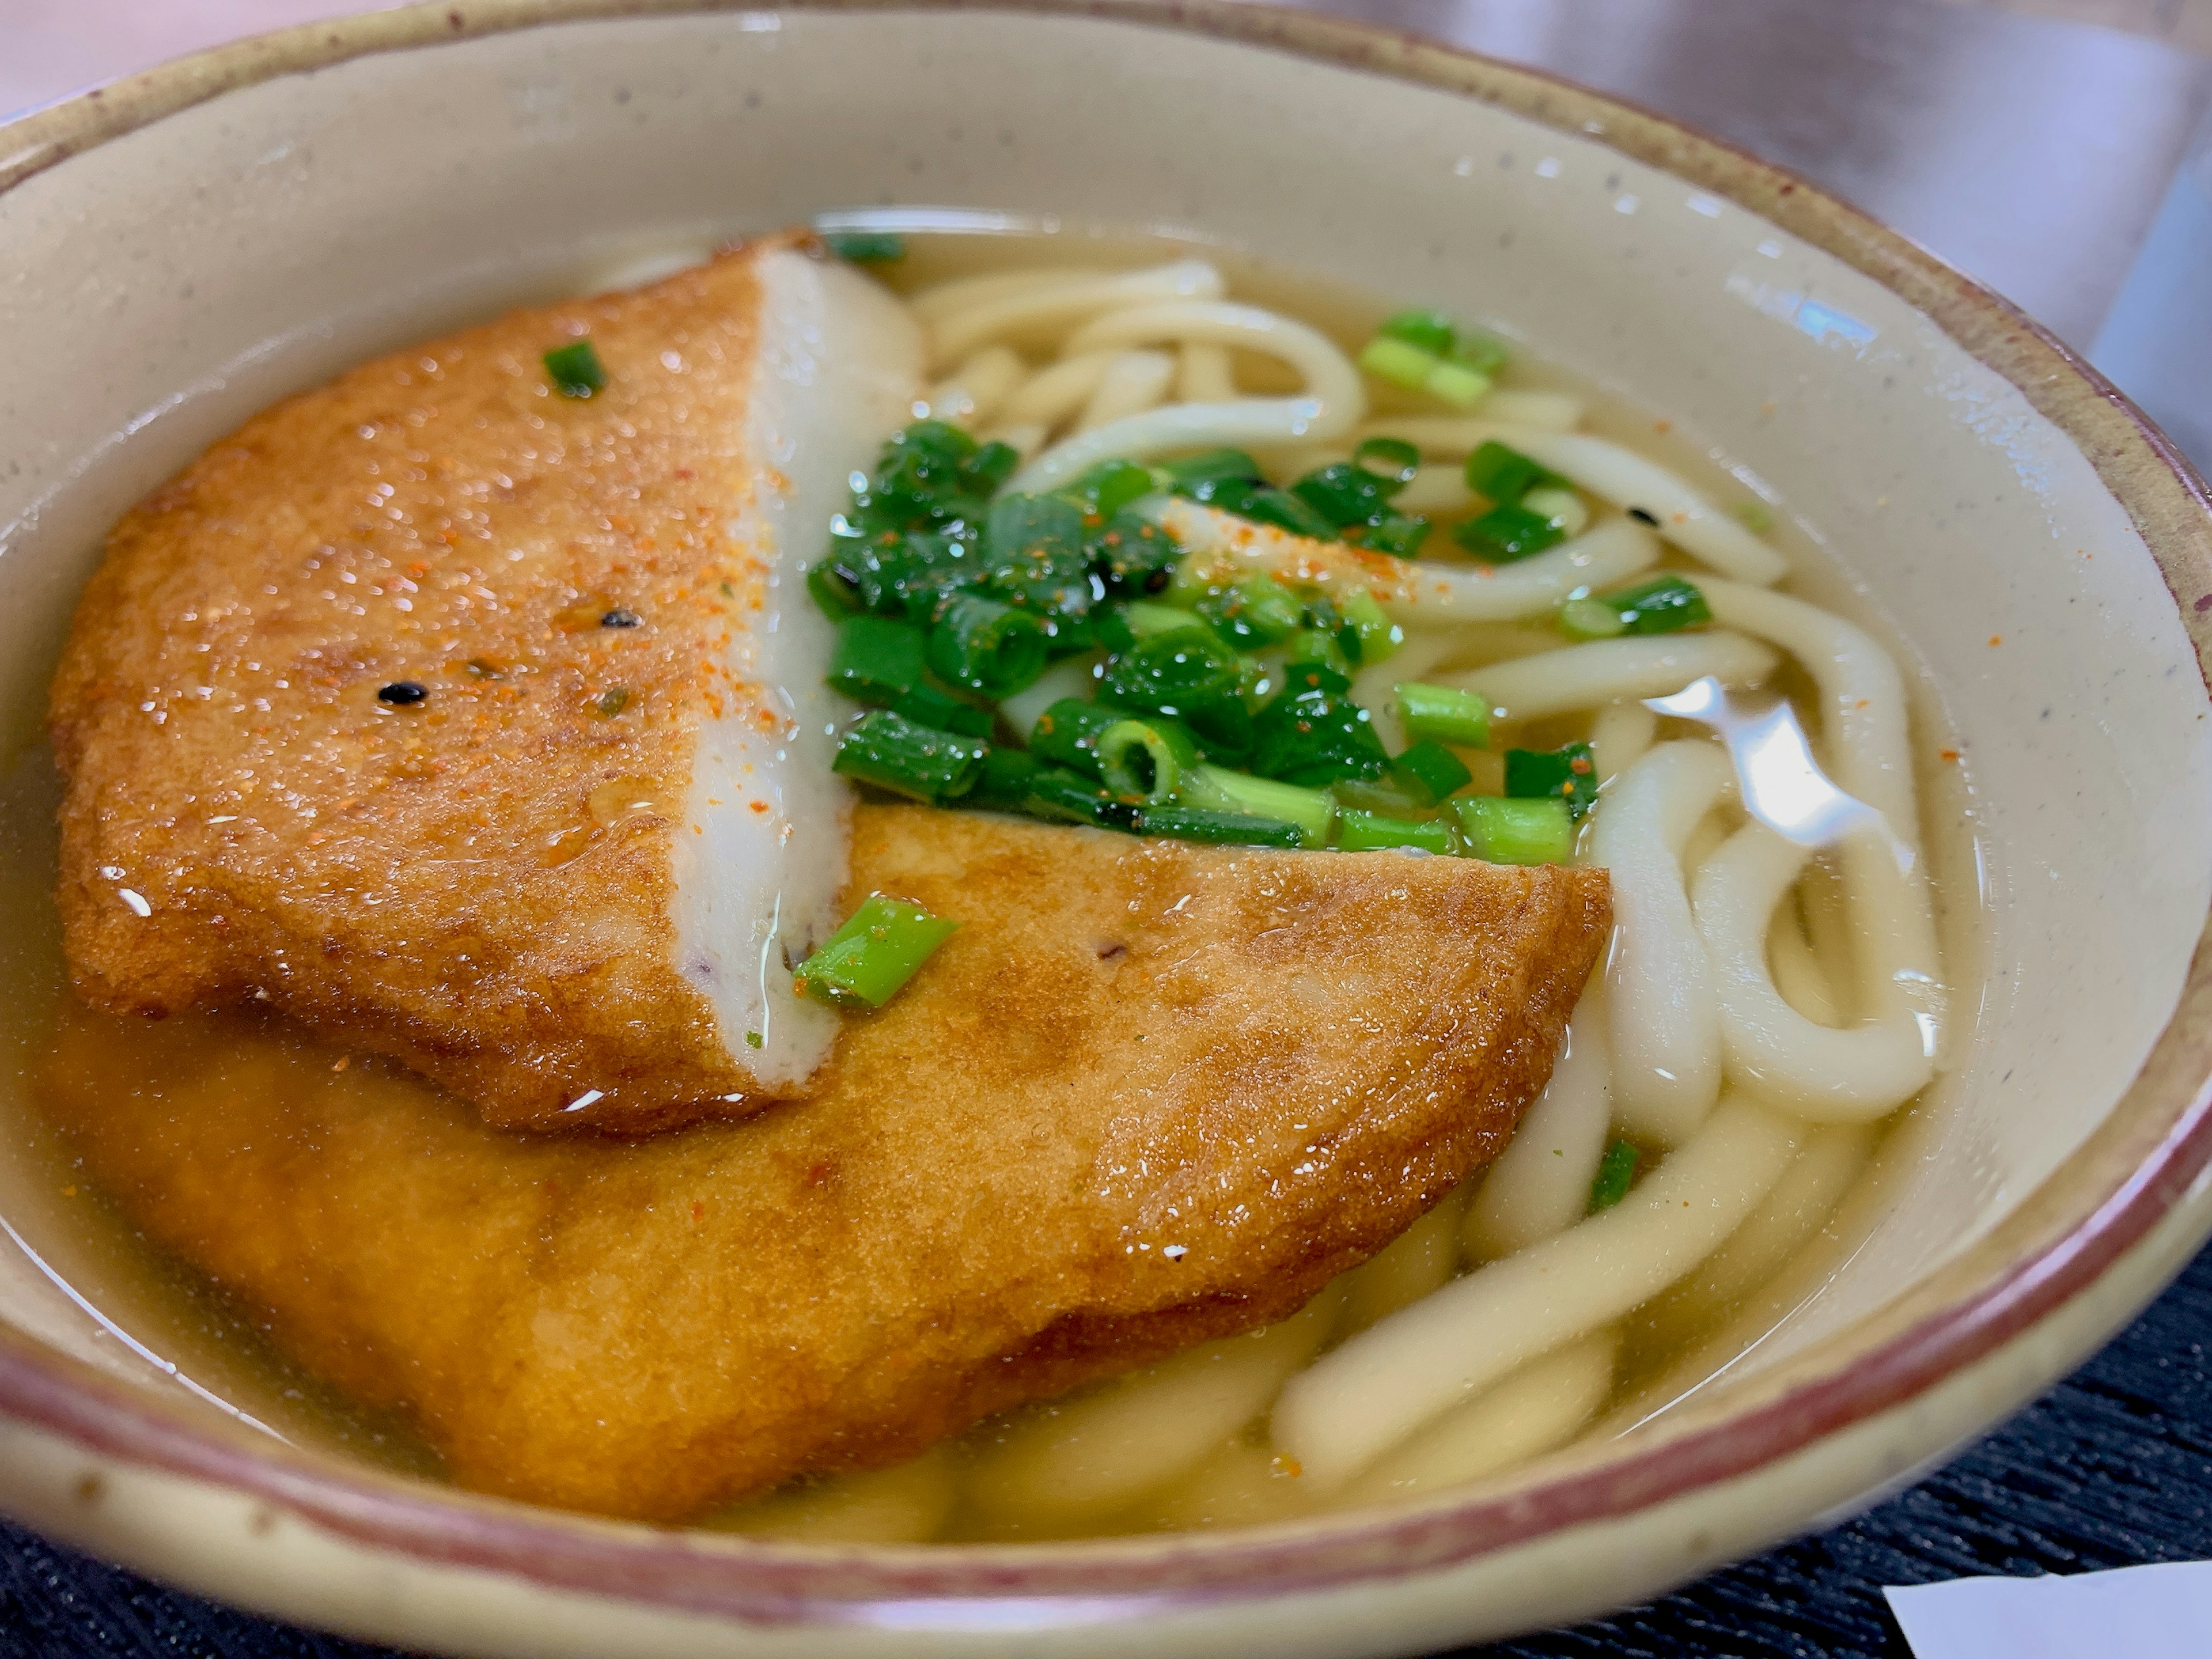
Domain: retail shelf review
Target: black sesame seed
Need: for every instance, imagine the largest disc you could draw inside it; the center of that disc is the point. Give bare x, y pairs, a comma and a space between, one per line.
619, 617
1156, 581
402, 693
1642, 517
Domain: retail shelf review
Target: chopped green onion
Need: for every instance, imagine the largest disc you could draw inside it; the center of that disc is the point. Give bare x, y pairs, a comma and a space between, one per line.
835, 592
1431, 771
1143, 617
1257, 612
1589, 618
1370, 832
1661, 606
875, 952
1486, 354
1389, 796
1219, 789
1616, 1173
1398, 460
1068, 797
1144, 758
1561, 505
1321, 645
1429, 331
1377, 636
1462, 718
1067, 734
865, 247
1505, 831
1312, 734
1754, 516
924, 705
1506, 533
893, 753
1110, 486
1135, 556
1171, 673
877, 659
1505, 475
1210, 466
575, 370
1457, 385
1567, 773
1204, 825
1004, 780
985, 646
612, 702
1399, 362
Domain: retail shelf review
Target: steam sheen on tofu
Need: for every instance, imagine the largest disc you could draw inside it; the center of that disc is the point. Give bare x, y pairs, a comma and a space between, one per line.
483, 725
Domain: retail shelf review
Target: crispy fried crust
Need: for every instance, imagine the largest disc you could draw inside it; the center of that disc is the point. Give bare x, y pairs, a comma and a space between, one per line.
431, 881
1274, 1062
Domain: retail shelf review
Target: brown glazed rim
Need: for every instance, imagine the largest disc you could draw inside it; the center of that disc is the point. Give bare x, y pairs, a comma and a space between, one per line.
2131, 1172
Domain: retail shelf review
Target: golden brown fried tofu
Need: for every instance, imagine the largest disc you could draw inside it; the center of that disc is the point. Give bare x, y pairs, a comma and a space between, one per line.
1149, 1093
484, 725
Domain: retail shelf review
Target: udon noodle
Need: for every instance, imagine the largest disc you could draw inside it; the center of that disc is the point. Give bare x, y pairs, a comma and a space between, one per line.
1742, 1047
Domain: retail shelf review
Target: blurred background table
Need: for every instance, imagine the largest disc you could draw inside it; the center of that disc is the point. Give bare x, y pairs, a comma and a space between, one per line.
2029, 141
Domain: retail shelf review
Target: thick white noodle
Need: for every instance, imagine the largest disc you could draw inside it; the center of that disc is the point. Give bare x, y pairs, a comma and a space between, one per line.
1821, 1074
1797, 1208
1454, 437
974, 392
1091, 1455
1135, 381
1044, 308
1540, 1183
1867, 742
1798, 974
1426, 594
1374, 687
906, 1503
1025, 436
1331, 403
1620, 736
1610, 671
1204, 374
1543, 1405
1666, 1020
933, 304
1416, 1262
1355, 1403
1611, 473
1051, 395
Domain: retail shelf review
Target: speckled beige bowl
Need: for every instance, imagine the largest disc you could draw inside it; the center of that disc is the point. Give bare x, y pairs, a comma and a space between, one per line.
180, 248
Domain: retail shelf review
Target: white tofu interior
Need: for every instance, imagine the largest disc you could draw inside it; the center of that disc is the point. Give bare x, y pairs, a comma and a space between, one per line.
838, 370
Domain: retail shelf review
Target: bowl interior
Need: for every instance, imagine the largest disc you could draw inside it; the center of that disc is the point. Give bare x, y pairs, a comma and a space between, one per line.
167, 283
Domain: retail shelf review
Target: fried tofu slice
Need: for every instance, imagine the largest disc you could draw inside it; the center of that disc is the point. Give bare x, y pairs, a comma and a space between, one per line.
1149, 1094
485, 726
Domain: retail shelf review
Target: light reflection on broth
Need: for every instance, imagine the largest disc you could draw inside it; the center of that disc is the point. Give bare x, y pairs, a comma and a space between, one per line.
1186, 1441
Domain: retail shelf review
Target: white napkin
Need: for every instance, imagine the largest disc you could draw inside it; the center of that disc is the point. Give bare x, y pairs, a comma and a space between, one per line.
2132, 1613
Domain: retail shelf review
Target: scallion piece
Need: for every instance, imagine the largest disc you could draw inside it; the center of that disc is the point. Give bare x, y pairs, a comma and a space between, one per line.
1505, 831
865, 247
985, 646
1004, 780
1204, 825
1393, 459
1144, 759
1112, 485
1218, 789
575, 370
1504, 475
1390, 796
1372, 832
1567, 773
1507, 533
1067, 734
877, 659
924, 705
1460, 717
1430, 331
1255, 612
1754, 516
864, 963
1457, 385
1664, 605
1430, 771
1142, 618
1400, 362
1068, 797
1172, 673
1378, 635
1616, 1173
921, 762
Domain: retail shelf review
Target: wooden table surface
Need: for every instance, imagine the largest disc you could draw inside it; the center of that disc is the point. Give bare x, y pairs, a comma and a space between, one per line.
2031, 150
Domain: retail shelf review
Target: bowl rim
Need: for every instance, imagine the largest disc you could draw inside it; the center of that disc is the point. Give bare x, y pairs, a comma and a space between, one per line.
2133, 1171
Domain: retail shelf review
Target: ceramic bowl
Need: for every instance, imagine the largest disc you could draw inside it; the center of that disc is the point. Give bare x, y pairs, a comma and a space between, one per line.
183, 247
